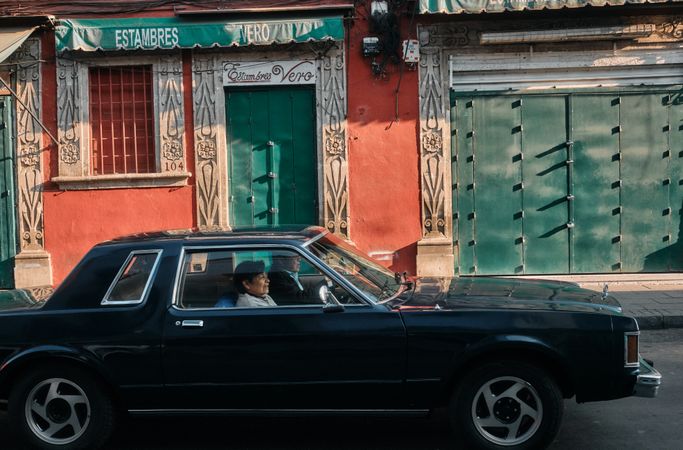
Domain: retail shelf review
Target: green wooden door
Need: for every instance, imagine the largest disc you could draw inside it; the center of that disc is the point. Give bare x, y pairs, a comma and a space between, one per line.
7, 207
272, 157
583, 182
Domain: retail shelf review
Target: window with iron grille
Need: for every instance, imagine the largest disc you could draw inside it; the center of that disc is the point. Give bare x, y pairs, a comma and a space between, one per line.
121, 120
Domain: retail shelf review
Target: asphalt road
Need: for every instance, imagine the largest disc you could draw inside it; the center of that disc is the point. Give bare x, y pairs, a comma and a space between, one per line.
632, 423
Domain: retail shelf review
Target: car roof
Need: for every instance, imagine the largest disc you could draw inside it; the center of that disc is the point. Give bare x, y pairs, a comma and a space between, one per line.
298, 233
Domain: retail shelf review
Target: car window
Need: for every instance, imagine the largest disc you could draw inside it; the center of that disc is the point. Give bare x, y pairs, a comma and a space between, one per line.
133, 279
247, 278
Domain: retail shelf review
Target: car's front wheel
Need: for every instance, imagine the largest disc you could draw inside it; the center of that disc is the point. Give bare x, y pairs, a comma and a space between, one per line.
61, 408
507, 405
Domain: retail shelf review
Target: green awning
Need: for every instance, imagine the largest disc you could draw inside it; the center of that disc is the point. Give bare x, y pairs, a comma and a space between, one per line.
479, 6
173, 32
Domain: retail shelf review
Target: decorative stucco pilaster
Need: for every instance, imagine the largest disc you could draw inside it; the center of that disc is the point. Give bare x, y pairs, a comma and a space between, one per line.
332, 117
71, 116
209, 142
32, 264
435, 249
170, 127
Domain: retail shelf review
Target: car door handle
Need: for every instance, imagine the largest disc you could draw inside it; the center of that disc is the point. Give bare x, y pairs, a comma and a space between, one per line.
192, 323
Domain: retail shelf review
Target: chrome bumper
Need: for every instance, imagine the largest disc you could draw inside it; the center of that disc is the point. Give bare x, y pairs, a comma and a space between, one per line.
648, 381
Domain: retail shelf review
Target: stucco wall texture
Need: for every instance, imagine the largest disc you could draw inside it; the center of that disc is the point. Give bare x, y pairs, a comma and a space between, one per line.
383, 172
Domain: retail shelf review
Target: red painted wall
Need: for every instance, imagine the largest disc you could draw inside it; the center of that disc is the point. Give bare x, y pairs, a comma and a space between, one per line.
76, 220
383, 156
383, 171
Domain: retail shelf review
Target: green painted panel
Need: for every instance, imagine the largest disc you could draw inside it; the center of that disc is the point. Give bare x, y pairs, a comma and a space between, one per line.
544, 138
280, 135
304, 150
271, 145
464, 194
676, 174
454, 179
7, 195
239, 142
645, 197
596, 247
261, 153
497, 189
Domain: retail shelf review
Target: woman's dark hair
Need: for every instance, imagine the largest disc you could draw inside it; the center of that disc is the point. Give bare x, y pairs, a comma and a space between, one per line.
247, 271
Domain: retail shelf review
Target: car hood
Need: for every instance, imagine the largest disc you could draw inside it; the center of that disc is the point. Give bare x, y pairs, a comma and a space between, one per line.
503, 293
14, 299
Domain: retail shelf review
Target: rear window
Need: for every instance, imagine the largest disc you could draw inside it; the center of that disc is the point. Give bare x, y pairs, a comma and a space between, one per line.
133, 279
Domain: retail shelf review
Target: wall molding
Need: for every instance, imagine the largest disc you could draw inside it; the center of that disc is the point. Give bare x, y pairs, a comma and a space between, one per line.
73, 117
32, 263
435, 249
211, 153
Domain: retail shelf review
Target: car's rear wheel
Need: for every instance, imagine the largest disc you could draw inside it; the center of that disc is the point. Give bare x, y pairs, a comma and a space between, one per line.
61, 408
507, 405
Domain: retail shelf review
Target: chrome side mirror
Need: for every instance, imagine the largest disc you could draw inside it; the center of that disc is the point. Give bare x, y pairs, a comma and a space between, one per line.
330, 302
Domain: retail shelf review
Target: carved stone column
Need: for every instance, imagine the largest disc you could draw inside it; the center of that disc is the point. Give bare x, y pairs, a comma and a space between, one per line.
209, 142
332, 117
32, 264
435, 249
171, 124
71, 117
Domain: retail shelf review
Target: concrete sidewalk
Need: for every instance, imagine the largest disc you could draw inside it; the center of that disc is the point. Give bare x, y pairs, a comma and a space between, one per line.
656, 304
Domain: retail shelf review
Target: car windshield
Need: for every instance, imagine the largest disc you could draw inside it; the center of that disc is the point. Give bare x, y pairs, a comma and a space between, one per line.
377, 282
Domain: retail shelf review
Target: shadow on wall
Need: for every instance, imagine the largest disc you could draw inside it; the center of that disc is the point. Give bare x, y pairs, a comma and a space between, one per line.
668, 259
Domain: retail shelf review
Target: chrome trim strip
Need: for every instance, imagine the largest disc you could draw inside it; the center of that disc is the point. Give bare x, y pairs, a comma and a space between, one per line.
315, 238
152, 275
309, 257
280, 411
648, 381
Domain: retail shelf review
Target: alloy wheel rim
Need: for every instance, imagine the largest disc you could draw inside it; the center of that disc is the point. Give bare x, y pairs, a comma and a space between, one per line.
57, 411
507, 411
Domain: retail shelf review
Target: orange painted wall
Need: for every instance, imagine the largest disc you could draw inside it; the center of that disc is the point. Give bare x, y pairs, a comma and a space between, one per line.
383, 156
76, 220
384, 182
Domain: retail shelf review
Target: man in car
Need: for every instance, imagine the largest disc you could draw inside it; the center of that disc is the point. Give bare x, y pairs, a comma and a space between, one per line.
285, 283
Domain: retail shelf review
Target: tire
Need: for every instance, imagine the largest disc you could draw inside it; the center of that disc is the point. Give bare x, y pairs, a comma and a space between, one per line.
61, 407
506, 405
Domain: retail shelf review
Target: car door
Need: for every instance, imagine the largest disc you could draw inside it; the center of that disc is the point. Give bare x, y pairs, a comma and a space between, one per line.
285, 357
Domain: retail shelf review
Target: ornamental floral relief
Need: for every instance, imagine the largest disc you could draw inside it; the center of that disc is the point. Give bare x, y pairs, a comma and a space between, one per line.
69, 117
206, 73
335, 163
171, 117
434, 161
29, 146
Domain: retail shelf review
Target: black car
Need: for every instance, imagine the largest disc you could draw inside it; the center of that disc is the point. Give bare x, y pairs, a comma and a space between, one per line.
195, 323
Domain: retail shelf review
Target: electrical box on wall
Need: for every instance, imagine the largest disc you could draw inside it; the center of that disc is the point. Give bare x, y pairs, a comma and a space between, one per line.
411, 51
371, 46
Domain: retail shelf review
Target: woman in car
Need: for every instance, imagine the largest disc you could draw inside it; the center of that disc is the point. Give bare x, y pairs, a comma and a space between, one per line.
251, 281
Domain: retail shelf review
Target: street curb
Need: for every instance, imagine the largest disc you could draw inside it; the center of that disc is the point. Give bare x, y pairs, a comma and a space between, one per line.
659, 322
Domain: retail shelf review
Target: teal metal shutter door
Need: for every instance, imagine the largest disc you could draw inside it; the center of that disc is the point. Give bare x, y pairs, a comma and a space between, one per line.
271, 145
7, 207
463, 172
545, 184
597, 234
644, 195
675, 249
583, 182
